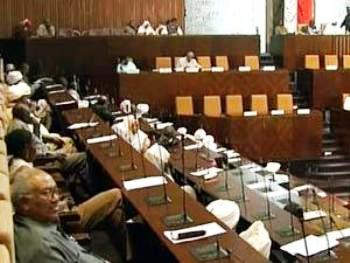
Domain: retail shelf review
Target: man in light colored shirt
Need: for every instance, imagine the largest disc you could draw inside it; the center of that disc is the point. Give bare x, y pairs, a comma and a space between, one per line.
146, 29
188, 62
126, 65
173, 28
162, 30
37, 236
46, 29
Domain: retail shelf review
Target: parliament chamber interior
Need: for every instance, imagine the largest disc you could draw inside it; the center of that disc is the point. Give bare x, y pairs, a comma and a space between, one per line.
174, 131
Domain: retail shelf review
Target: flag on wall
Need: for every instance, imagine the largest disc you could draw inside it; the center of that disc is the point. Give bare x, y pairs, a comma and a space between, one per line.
305, 11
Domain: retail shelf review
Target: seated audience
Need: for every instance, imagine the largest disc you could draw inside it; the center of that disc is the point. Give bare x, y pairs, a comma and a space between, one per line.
46, 29
101, 109
126, 65
173, 28
136, 137
280, 29
346, 21
130, 29
146, 29
23, 29
18, 89
38, 237
189, 61
162, 30
157, 154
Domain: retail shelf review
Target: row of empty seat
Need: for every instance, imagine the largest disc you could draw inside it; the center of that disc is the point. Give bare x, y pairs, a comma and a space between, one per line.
234, 105
206, 62
313, 61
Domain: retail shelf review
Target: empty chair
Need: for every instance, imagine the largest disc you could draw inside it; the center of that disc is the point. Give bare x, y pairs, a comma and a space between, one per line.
252, 62
222, 61
234, 105
285, 103
312, 62
212, 106
184, 105
259, 104
346, 61
331, 60
204, 61
163, 62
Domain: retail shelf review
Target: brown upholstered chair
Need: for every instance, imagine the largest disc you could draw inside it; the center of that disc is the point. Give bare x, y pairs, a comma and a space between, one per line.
285, 102
4, 187
252, 62
222, 61
4, 254
259, 104
204, 61
234, 105
6, 226
212, 106
163, 62
346, 61
312, 62
331, 60
184, 105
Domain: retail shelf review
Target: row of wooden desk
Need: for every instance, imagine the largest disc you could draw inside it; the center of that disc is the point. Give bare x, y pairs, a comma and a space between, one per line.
154, 216
160, 90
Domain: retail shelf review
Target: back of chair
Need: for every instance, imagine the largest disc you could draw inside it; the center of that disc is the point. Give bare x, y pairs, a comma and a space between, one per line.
184, 105
252, 62
312, 62
331, 60
285, 102
163, 62
204, 61
259, 104
222, 61
234, 105
212, 106
346, 61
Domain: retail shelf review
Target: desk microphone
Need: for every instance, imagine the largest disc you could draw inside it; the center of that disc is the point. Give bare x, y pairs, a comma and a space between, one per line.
139, 141
132, 166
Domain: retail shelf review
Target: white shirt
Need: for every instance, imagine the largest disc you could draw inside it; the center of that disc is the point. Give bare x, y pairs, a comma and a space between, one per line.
129, 67
157, 155
184, 63
139, 141
16, 164
146, 29
43, 32
162, 30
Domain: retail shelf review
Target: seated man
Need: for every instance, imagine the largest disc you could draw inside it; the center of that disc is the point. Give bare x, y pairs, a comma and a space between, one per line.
157, 154
146, 29
173, 28
126, 65
37, 236
188, 62
46, 29
136, 137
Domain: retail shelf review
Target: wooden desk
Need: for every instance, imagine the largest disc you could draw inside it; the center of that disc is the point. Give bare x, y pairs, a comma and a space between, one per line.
341, 127
281, 138
290, 50
58, 98
154, 216
160, 90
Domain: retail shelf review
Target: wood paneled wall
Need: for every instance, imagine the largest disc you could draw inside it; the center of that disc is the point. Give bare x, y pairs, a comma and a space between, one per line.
87, 14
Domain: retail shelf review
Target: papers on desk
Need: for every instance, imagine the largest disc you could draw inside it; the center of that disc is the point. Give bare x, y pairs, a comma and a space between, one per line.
219, 150
150, 120
217, 69
277, 112
234, 160
312, 215
268, 68
193, 146
56, 91
65, 102
303, 111
161, 126
102, 139
231, 154
82, 125
208, 173
250, 113
55, 86
339, 234
244, 68
211, 229
144, 182
315, 245
114, 113
92, 97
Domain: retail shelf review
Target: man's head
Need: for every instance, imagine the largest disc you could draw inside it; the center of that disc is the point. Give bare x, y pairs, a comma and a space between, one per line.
22, 112
34, 194
190, 55
20, 144
46, 22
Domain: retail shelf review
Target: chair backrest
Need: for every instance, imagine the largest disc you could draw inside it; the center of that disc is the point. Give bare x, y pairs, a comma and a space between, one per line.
234, 105
212, 106
331, 60
222, 61
163, 62
204, 61
346, 61
312, 62
184, 105
252, 62
285, 102
259, 104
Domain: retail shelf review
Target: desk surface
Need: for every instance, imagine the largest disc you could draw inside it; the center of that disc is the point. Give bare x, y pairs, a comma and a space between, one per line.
154, 215
160, 90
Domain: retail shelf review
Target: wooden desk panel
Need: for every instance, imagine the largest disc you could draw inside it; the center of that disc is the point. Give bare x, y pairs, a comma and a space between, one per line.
282, 138
341, 127
324, 88
160, 90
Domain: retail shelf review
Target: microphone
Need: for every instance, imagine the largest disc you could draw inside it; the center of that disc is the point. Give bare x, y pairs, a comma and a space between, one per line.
189, 234
323, 223
181, 218
132, 166
299, 213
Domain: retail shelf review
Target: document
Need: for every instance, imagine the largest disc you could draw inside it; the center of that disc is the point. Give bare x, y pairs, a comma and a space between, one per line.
65, 102
193, 146
82, 125
211, 170
314, 215
144, 182
106, 138
211, 229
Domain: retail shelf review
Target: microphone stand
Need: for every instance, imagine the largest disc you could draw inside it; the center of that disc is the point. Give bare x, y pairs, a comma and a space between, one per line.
180, 219
300, 214
132, 166
210, 252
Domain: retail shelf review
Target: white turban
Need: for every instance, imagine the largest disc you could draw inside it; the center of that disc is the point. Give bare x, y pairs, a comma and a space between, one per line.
273, 167
142, 108
125, 106
347, 104
200, 134
225, 210
18, 91
14, 77
9, 67
182, 130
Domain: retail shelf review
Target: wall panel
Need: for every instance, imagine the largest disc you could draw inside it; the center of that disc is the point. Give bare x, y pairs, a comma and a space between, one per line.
87, 14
